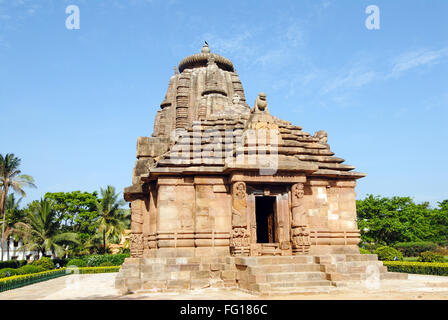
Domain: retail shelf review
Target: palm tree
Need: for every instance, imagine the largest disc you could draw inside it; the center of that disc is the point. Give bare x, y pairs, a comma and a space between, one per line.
10, 177
41, 231
13, 215
112, 218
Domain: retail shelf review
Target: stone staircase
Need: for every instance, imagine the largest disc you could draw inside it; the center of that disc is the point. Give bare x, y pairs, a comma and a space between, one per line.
254, 274
352, 269
276, 274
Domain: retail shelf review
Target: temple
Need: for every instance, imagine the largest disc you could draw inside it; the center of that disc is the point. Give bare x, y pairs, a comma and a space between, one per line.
223, 191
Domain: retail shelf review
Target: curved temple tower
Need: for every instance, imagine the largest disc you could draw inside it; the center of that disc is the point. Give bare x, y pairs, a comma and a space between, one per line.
220, 186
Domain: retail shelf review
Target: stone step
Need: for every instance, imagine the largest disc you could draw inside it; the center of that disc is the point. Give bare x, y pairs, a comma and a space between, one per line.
361, 269
184, 260
295, 276
271, 268
294, 284
372, 277
301, 290
250, 261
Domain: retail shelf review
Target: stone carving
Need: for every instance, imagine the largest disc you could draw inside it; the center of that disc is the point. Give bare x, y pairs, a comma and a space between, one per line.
300, 234
239, 190
298, 210
322, 135
239, 205
301, 240
136, 245
297, 191
240, 237
261, 104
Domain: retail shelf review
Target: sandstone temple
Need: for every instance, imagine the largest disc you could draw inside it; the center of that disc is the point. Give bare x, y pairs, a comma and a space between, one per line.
227, 195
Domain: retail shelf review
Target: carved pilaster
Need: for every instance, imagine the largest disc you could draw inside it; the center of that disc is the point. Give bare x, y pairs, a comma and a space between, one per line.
240, 241
300, 234
136, 245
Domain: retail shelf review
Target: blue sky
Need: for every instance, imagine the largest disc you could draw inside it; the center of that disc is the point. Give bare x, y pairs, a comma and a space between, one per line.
73, 102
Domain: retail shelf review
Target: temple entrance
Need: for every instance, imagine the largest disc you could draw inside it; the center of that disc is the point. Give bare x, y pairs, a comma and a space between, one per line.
265, 217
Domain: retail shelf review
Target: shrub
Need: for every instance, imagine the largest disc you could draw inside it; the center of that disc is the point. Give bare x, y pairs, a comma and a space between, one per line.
77, 262
11, 271
29, 268
97, 259
388, 254
12, 264
45, 263
62, 262
364, 251
429, 256
433, 268
413, 249
106, 264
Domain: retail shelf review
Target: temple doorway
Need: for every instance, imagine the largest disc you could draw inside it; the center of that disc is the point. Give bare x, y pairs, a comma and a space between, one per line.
265, 217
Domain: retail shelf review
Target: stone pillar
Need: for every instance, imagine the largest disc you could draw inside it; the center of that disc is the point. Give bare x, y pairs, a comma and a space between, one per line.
240, 238
136, 236
300, 233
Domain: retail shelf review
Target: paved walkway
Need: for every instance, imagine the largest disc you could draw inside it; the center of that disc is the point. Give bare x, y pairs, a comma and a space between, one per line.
101, 286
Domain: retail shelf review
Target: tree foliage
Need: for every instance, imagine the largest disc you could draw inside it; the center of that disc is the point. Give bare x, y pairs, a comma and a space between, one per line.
75, 210
385, 220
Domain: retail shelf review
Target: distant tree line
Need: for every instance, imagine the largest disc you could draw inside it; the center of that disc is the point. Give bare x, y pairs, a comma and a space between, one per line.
62, 223
388, 221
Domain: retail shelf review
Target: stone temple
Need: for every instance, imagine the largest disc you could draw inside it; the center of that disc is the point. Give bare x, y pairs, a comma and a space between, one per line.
227, 195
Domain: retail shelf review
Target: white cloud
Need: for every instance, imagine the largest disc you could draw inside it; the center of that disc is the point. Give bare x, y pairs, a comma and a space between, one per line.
355, 77
414, 59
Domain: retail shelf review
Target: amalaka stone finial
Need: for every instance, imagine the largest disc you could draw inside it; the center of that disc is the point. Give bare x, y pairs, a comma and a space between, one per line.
205, 48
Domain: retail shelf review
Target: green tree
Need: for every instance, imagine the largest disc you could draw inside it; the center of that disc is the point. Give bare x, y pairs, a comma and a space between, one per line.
13, 214
385, 220
11, 177
41, 230
75, 210
439, 223
113, 219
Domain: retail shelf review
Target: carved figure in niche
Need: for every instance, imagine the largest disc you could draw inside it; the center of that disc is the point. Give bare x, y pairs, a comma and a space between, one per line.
239, 190
239, 204
298, 191
322, 135
298, 209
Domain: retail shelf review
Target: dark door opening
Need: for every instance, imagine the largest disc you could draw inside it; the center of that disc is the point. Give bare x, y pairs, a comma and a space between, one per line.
264, 211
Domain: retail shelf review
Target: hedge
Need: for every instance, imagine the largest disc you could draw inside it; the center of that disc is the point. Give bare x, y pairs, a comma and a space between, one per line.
432, 268
27, 279
90, 270
18, 281
12, 264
